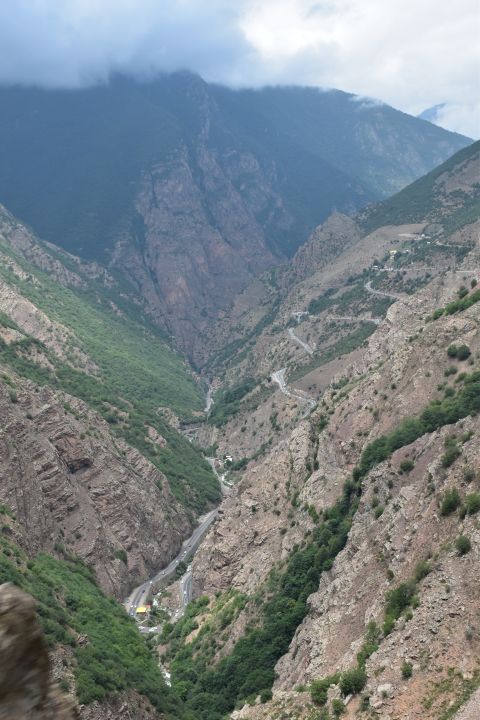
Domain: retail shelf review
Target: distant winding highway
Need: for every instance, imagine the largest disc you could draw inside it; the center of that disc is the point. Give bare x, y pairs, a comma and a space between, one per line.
380, 293
278, 377
308, 348
140, 595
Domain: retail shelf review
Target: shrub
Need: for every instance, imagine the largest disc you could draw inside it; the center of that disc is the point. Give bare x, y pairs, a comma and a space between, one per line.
398, 600
338, 708
407, 669
463, 352
121, 555
319, 690
463, 544
451, 501
353, 681
450, 455
407, 465
370, 645
422, 569
469, 475
472, 503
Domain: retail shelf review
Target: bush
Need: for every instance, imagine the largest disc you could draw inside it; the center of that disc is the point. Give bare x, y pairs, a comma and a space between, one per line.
407, 669
451, 501
353, 681
463, 544
407, 465
463, 352
319, 690
121, 555
422, 569
338, 708
398, 600
472, 503
370, 645
265, 696
450, 455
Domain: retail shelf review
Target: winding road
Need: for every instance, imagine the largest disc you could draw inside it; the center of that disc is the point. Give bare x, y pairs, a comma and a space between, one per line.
351, 318
395, 296
141, 594
278, 377
308, 349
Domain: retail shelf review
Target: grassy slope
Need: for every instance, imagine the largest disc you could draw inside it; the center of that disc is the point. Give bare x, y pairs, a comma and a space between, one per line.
420, 200
138, 373
69, 604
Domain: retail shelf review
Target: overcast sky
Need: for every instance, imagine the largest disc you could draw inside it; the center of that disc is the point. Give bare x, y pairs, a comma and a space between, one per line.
410, 53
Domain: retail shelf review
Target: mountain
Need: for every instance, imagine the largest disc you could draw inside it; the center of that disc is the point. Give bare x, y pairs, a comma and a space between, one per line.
191, 190
338, 575
92, 396
343, 559
449, 195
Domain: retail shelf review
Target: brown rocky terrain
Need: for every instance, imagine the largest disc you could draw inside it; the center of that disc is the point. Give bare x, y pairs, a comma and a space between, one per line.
223, 244
74, 488
396, 377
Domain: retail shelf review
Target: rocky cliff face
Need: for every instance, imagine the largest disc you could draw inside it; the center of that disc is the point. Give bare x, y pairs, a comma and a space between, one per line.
26, 687
75, 489
75, 485
192, 202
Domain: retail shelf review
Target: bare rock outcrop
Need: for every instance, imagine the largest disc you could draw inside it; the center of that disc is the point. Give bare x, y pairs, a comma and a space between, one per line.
74, 489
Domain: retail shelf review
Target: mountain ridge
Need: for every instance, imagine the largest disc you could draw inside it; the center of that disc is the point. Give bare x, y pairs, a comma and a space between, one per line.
176, 178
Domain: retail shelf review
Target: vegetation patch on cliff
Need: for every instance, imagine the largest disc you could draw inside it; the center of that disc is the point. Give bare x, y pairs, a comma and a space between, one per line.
110, 654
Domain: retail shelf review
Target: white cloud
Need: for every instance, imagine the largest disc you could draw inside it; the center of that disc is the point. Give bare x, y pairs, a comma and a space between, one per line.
410, 53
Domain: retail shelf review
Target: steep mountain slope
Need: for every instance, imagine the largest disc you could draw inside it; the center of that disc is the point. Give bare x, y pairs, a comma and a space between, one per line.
92, 461
327, 276
343, 560
191, 190
94, 650
74, 327
449, 195
98, 487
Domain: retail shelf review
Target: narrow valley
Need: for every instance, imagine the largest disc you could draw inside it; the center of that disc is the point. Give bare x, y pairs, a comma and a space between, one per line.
239, 405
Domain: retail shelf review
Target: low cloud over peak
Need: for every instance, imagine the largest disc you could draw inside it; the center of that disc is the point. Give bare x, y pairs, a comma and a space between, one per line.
410, 53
